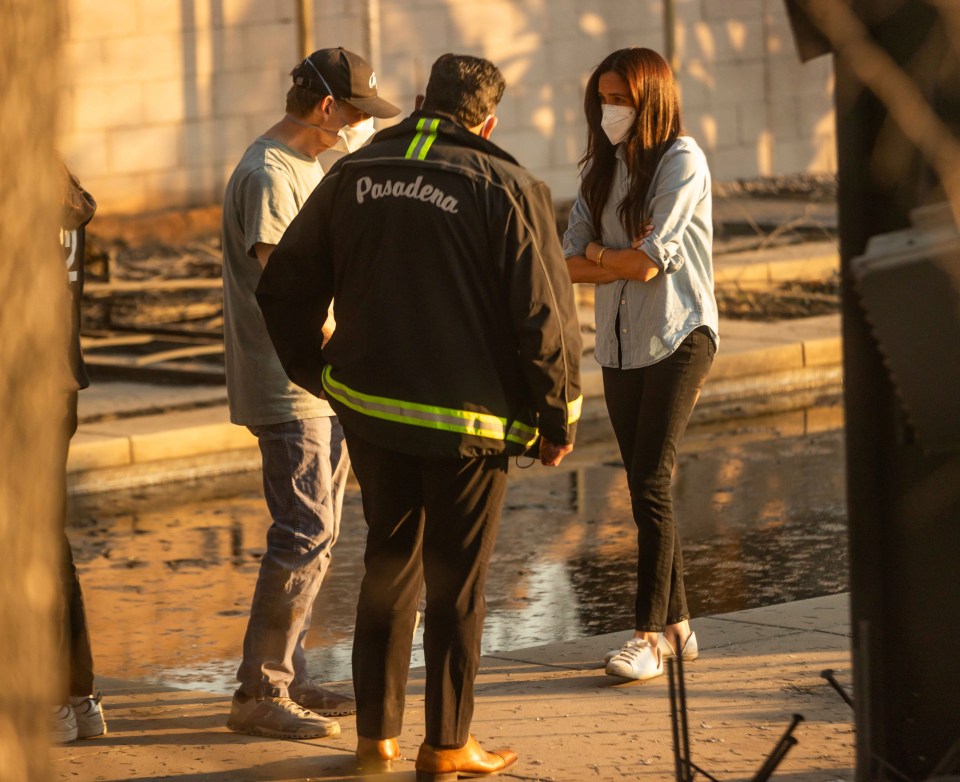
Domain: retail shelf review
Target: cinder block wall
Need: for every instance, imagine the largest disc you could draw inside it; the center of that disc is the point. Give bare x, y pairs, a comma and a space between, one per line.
161, 97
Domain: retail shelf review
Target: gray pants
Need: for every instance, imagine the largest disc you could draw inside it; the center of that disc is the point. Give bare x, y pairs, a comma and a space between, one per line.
305, 466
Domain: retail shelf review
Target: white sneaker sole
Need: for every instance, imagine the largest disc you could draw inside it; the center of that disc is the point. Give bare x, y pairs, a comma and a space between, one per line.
627, 672
92, 731
65, 736
332, 729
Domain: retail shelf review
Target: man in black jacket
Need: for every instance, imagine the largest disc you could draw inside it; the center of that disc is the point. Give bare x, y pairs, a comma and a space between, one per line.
457, 342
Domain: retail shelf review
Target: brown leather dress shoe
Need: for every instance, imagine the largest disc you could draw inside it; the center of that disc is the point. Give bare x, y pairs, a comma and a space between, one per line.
470, 760
377, 755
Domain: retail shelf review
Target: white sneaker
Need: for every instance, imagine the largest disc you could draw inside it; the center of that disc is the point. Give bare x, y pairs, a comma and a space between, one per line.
689, 652
90, 721
64, 725
636, 660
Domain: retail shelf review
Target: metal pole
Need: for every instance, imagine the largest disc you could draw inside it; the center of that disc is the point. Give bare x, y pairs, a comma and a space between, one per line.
829, 676
680, 762
670, 34
779, 751
684, 726
372, 33
304, 27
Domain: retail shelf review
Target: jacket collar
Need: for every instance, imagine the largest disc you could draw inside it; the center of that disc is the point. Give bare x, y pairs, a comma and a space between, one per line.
450, 129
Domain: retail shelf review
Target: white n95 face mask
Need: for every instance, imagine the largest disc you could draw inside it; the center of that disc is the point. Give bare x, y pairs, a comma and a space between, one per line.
352, 137
617, 121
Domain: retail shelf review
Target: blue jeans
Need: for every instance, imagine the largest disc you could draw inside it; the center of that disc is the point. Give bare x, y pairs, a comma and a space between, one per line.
305, 466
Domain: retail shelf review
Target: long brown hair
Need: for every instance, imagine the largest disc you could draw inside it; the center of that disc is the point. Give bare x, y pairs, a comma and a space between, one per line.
655, 97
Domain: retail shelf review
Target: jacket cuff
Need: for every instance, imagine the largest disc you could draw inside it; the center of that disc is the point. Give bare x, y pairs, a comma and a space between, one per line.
564, 433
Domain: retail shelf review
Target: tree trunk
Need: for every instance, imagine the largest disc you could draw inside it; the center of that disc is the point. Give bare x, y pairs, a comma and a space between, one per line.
33, 338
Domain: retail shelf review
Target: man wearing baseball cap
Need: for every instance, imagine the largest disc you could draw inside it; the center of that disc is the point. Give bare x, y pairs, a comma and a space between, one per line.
347, 77
304, 457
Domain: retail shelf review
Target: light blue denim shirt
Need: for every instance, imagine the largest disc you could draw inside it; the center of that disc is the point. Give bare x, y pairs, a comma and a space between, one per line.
655, 316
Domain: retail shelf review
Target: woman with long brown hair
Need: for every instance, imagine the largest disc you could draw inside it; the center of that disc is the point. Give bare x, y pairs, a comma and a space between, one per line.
641, 231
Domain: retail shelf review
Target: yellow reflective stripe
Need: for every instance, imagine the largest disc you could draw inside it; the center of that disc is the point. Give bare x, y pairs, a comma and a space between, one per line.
423, 142
430, 139
416, 138
446, 419
521, 433
427, 416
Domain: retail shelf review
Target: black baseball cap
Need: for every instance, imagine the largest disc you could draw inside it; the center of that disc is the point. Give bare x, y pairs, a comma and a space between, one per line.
346, 76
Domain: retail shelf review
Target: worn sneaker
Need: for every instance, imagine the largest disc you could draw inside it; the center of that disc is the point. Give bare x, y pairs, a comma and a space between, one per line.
278, 718
90, 721
322, 701
636, 660
64, 725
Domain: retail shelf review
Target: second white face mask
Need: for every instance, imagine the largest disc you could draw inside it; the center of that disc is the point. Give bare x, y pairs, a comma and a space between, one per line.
352, 137
617, 121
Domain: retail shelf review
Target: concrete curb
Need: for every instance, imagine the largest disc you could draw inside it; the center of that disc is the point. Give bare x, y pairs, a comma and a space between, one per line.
761, 367
815, 261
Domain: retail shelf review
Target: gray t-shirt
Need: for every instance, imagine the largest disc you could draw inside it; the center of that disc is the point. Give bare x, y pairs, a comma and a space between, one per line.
264, 194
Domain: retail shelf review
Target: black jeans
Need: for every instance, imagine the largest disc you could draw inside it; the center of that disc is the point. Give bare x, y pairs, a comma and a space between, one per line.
430, 520
649, 409
73, 641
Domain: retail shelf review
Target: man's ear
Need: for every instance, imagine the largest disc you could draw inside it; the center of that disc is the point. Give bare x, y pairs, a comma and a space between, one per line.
488, 126
326, 105
320, 111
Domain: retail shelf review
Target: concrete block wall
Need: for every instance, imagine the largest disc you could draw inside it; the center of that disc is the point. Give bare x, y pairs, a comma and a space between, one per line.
161, 97
746, 97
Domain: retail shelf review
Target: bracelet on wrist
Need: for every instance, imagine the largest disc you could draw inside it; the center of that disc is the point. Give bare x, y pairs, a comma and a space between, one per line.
599, 260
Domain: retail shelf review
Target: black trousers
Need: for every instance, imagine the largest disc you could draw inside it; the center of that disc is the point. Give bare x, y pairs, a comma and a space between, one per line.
432, 521
73, 641
649, 409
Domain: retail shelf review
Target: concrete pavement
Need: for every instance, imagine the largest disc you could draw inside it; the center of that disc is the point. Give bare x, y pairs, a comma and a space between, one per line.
566, 718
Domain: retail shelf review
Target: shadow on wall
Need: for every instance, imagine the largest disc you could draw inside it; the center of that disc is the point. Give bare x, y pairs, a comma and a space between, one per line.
236, 61
546, 52
201, 137
753, 106
165, 99
755, 109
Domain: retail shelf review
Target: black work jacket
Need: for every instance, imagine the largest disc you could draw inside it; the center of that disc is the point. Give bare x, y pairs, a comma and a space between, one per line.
77, 208
456, 330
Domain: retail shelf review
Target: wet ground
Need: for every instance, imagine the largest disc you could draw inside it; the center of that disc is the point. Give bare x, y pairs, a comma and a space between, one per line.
168, 573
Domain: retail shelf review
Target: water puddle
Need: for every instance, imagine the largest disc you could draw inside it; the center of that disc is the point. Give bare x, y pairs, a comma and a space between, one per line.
168, 573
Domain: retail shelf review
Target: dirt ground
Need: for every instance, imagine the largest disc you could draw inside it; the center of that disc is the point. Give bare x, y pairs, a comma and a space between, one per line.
186, 246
